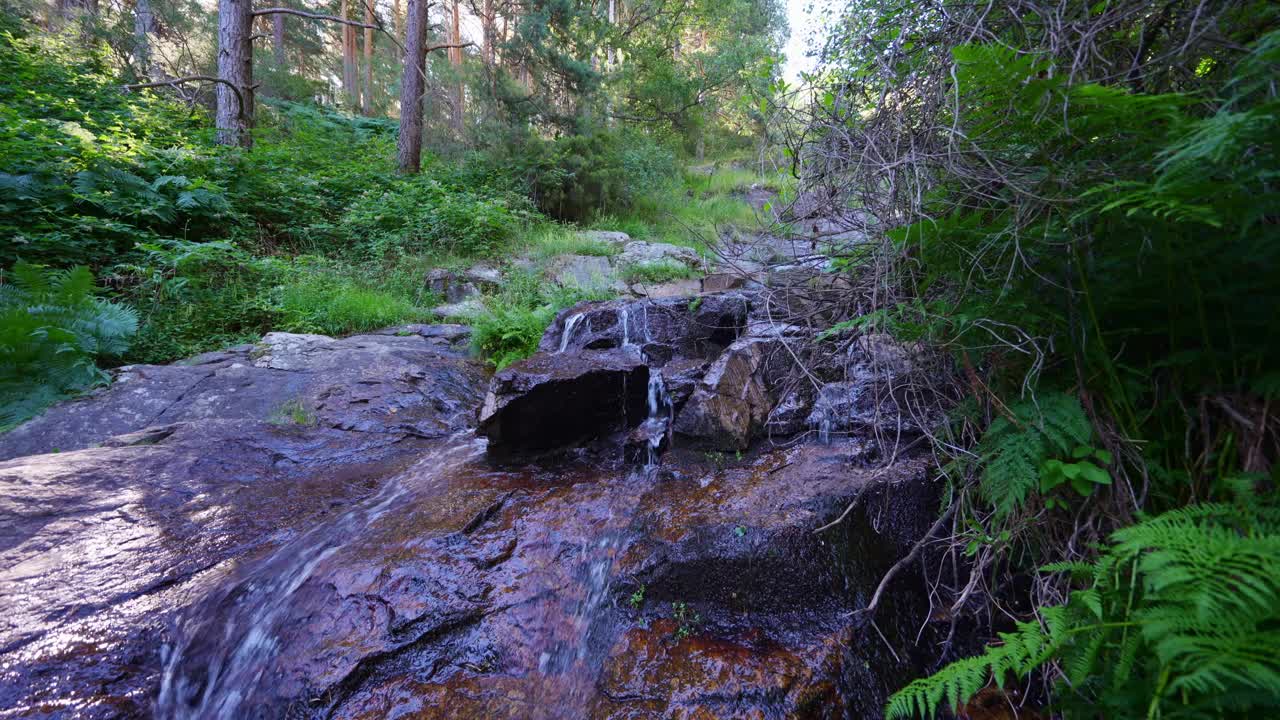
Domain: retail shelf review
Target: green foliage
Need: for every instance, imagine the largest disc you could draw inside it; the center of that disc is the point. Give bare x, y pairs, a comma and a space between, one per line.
86, 170
292, 412
422, 215
315, 298
658, 271
549, 240
52, 329
513, 321
686, 620
1180, 618
1018, 449
577, 176
195, 297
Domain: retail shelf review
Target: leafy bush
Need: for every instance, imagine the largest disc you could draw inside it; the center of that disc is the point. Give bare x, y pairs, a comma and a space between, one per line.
512, 323
578, 176
86, 170
52, 330
421, 215
1085, 240
1180, 618
196, 297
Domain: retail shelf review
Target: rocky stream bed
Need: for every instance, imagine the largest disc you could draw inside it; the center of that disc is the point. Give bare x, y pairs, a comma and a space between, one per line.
622, 526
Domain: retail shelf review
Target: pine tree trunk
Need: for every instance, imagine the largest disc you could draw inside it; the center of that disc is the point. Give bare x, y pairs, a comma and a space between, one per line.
455, 57
233, 115
409, 145
277, 40
350, 74
366, 100
143, 22
488, 27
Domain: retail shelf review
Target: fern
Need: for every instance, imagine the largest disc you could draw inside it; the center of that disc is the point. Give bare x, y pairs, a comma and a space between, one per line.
1182, 619
1013, 449
52, 328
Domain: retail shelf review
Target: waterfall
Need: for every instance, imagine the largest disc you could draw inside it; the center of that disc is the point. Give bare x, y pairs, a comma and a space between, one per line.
567, 334
657, 426
624, 321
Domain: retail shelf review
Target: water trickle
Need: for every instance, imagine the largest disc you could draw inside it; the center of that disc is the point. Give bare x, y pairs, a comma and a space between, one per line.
657, 426
214, 669
567, 334
624, 322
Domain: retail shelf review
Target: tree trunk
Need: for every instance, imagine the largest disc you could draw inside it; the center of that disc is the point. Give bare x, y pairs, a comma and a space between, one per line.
143, 22
409, 144
397, 19
366, 101
455, 57
277, 39
350, 75
234, 114
488, 28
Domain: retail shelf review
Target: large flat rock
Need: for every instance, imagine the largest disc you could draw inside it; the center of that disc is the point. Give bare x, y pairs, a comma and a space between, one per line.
413, 383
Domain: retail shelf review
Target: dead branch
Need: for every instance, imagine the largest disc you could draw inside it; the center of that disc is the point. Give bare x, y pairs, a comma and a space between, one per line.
189, 79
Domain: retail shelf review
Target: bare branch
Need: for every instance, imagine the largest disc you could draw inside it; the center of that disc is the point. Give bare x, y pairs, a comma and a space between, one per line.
189, 79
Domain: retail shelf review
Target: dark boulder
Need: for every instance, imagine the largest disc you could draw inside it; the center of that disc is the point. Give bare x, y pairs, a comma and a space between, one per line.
555, 400
662, 329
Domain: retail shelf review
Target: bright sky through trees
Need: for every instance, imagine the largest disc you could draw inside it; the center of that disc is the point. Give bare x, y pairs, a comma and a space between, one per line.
804, 18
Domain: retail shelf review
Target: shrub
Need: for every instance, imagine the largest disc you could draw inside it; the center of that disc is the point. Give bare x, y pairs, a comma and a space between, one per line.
86, 170
195, 297
52, 330
513, 321
421, 215
576, 177
1178, 618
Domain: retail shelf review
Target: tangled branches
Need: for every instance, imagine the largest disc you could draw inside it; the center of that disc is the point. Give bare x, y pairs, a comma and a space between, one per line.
1033, 196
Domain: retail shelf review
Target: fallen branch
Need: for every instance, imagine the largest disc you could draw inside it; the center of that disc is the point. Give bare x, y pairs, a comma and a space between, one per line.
192, 78
911, 556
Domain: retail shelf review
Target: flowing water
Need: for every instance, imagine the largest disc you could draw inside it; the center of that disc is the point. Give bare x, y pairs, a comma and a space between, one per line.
567, 334
217, 664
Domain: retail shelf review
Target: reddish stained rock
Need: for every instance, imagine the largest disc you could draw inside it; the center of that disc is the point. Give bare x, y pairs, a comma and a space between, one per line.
652, 674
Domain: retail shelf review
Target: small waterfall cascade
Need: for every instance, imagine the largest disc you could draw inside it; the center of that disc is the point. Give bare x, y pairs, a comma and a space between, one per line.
657, 426
567, 334
222, 655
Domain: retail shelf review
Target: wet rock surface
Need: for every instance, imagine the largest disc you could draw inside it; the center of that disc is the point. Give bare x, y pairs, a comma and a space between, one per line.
309, 528
408, 384
553, 400
584, 592
194, 466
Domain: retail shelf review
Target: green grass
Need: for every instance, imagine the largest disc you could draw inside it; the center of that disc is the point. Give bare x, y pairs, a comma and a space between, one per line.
292, 412
657, 272
514, 320
328, 300
691, 216
548, 240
